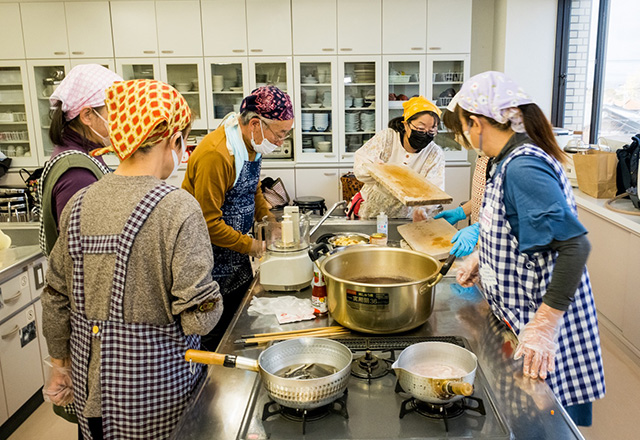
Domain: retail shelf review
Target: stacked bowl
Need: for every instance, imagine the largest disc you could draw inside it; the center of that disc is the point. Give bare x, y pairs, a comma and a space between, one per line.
321, 121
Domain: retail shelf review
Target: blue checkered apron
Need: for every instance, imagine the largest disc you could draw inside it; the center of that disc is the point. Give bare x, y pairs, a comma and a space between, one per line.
145, 380
514, 284
233, 269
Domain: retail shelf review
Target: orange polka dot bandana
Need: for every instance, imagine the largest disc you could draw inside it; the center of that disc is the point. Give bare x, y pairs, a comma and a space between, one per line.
142, 113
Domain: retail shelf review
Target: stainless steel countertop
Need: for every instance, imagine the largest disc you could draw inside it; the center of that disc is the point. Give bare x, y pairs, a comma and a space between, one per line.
530, 408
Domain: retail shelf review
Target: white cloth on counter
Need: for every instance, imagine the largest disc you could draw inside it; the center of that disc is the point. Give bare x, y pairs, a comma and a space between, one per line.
386, 147
286, 308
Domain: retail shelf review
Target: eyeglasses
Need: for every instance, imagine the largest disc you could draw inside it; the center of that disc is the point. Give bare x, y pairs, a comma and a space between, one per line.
278, 137
423, 130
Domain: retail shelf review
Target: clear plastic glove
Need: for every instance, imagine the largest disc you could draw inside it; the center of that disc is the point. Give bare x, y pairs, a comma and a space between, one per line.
538, 342
419, 214
257, 248
453, 216
59, 388
465, 240
468, 271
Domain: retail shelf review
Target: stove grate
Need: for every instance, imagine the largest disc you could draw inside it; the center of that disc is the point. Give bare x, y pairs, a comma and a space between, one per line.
395, 343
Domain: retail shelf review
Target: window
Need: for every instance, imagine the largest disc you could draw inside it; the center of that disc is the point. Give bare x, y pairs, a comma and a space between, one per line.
599, 99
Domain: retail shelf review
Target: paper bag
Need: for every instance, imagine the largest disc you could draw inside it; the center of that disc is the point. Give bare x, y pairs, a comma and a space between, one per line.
596, 173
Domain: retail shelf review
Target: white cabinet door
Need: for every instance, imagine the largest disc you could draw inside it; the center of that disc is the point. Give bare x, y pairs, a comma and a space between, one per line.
404, 26
401, 75
179, 29
89, 29
141, 68
20, 358
224, 27
457, 183
287, 175
320, 182
359, 26
314, 27
269, 27
227, 83
449, 26
631, 323
11, 30
14, 294
134, 29
187, 76
45, 30
4, 414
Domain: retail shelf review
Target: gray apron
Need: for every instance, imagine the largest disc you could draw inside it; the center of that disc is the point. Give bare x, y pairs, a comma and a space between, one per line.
145, 381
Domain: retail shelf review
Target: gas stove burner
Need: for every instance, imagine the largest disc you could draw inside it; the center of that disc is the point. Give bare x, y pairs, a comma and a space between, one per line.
446, 411
338, 406
369, 366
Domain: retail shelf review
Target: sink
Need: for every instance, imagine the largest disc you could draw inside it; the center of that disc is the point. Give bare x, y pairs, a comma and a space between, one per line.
342, 224
25, 234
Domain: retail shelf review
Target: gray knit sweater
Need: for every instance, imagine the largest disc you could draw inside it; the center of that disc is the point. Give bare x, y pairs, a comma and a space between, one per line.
168, 275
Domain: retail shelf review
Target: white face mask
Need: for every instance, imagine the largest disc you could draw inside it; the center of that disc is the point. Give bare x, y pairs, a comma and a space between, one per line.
264, 147
104, 139
176, 160
478, 150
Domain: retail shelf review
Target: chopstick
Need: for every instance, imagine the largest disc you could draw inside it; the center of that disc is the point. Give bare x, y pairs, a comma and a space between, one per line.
327, 333
289, 332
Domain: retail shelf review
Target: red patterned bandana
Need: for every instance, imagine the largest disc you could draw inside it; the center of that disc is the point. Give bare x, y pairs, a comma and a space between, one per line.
269, 102
142, 113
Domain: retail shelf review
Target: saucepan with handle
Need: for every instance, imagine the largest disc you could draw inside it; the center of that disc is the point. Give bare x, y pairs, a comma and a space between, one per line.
301, 373
436, 372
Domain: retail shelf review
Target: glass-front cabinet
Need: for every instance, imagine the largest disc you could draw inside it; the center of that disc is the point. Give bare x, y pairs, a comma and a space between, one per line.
138, 69
16, 135
315, 107
403, 78
45, 76
227, 82
360, 79
446, 74
187, 76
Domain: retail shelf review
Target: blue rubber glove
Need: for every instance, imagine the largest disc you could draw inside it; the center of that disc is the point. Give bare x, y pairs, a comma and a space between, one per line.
465, 240
462, 291
453, 216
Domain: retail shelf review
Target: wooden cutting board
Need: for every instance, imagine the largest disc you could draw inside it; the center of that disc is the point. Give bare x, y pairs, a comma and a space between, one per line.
432, 237
408, 186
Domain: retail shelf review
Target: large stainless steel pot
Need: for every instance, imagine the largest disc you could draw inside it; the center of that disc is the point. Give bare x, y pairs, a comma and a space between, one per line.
377, 289
420, 366
293, 356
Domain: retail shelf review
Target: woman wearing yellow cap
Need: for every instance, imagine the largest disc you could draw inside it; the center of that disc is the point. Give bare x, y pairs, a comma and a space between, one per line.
407, 141
129, 286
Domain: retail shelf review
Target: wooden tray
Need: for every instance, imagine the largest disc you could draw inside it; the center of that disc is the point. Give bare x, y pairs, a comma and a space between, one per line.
408, 186
432, 237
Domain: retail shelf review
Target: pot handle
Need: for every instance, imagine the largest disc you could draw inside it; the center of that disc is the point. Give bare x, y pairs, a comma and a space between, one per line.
318, 250
458, 388
443, 270
324, 238
226, 360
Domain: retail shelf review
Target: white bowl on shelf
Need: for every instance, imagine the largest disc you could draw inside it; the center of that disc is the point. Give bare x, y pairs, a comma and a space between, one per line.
324, 146
314, 105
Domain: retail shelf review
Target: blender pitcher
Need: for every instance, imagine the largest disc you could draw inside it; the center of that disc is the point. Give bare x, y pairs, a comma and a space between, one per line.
286, 265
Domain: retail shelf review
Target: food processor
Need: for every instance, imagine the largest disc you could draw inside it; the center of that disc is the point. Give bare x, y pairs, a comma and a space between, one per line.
286, 265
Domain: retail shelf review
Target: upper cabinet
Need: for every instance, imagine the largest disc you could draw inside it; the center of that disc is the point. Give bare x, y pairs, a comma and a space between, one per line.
314, 27
89, 38
42, 24
449, 26
134, 29
179, 30
404, 28
11, 30
360, 26
269, 27
224, 27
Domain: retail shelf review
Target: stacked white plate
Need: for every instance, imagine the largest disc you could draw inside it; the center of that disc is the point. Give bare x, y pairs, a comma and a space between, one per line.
352, 122
307, 121
365, 75
218, 83
320, 121
368, 121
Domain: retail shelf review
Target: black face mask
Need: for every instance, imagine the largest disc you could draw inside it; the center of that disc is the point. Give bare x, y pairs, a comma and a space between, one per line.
419, 140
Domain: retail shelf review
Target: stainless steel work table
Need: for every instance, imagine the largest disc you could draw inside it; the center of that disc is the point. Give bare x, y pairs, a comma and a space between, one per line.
530, 408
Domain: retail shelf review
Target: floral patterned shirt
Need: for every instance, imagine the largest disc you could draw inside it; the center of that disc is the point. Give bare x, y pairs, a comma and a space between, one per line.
386, 147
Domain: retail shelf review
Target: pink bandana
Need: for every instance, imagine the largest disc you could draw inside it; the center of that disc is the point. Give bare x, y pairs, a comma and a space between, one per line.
84, 86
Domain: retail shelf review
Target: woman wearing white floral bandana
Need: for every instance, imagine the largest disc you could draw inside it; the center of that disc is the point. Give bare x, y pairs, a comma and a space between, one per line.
532, 249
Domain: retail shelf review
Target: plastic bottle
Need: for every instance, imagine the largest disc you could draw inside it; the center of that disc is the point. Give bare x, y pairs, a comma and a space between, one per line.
383, 224
318, 293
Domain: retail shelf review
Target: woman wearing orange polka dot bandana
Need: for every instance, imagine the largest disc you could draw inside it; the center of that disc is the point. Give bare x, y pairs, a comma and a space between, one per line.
130, 275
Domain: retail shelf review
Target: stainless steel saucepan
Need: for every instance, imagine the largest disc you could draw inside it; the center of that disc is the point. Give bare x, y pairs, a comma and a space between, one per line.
436, 372
301, 373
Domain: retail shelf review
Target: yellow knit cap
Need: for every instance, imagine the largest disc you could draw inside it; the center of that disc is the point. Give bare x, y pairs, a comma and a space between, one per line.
419, 104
